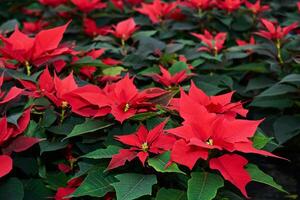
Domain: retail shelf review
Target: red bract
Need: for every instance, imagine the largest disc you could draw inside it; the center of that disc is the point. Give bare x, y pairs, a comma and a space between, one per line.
6, 165
243, 43
229, 5
87, 6
220, 104
124, 29
142, 143
274, 31
199, 4
11, 141
72, 185
34, 27
119, 4
9, 131
231, 166
298, 5
213, 44
6, 96
256, 7
157, 11
125, 99
91, 28
169, 80
53, 3
34, 51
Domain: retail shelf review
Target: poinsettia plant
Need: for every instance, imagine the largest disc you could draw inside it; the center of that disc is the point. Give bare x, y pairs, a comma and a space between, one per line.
149, 99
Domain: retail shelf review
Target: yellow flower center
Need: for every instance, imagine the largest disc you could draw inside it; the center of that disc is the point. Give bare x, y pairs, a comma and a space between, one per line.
126, 108
145, 147
64, 104
210, 142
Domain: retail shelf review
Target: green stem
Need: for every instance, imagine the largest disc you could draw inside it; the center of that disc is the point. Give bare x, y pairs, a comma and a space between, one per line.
28, 68
279, 56
62, 115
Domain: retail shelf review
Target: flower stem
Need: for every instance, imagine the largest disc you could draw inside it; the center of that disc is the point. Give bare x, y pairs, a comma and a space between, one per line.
278, 47
28, 68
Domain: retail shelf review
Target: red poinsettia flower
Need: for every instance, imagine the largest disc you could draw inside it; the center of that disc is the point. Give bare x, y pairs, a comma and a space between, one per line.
274, 31
91, 28
53, 3
87, 6
34, 51
72, 185
88, 100
213, 44
199, 4
6, 96
169, 80
141, 144
220, 104
229, 5
34, 27
125, 98
298, 5
157, 10
214, 132
256, 7
124, 29
231, 166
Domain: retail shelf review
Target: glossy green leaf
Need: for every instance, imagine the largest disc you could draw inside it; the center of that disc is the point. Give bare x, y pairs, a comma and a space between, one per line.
132, 186
204, 186
159, 163
96, 184
103, 153
259, 176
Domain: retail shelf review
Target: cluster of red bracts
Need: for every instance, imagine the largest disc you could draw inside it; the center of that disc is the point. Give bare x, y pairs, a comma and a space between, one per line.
209, 125
11, 138
219, 130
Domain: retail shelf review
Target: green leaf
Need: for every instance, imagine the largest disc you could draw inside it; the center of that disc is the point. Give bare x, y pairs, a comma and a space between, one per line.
11, 189
286, 127
208, 88
254, 67
260, 140
89, 61
170, 194
178, 67
204, 186
278, 102
259, 176
113, 71
259, 83
56, 180
90, 125
132, 186
96, 184
138, 35
102, 153
291, 78
35, 189
9, 26
159, 164
47, 146
278, 89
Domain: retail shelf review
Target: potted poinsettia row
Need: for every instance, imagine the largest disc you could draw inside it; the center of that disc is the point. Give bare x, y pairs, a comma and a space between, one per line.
134, 99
